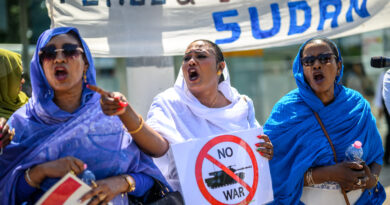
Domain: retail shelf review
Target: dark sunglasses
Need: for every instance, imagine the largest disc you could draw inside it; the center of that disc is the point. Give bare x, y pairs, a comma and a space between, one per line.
322, 58
69, 51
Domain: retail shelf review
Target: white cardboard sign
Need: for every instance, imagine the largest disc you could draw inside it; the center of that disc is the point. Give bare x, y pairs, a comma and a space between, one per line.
223, 169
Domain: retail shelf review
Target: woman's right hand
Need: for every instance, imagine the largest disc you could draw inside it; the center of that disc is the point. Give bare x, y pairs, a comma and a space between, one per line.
6, 134
55, 169
350, 175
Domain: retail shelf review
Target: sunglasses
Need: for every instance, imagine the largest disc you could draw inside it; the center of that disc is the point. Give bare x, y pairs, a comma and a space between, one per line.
322, 58
68, 50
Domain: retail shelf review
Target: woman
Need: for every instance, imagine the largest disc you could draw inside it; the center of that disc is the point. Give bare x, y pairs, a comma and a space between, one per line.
202, 103
304, 159
63, 129
11, 95
11, 80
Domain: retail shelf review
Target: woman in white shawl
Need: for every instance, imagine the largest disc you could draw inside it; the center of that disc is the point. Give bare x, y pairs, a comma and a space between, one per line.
201, 103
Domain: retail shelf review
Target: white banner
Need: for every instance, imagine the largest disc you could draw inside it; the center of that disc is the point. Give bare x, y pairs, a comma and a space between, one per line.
224, 169
127, 28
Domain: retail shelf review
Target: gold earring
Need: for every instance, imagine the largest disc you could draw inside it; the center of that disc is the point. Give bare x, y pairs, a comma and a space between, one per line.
85, 77
219, 72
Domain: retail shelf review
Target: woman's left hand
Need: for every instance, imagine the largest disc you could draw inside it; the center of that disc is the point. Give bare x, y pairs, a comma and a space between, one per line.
105, 190
113, 103
369, 181
266, 149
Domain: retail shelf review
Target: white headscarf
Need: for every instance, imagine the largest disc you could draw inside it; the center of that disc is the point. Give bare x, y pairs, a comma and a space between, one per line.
179, 116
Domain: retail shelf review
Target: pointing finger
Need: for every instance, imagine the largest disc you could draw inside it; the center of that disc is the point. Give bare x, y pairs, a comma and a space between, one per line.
97, 89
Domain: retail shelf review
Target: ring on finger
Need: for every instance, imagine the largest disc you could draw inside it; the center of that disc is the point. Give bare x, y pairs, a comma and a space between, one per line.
102, 196
359, 182
94, 185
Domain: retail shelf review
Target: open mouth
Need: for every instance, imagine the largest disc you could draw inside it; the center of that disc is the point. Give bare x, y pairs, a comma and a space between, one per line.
318, 77
60, 73
193, 74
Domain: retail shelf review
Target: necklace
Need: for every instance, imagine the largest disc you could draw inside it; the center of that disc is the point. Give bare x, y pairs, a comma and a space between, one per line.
214, 101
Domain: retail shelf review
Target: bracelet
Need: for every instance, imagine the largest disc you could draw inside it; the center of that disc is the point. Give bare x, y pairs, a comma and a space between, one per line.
376, 178
141, 124
309, 177
130, 181
29, 181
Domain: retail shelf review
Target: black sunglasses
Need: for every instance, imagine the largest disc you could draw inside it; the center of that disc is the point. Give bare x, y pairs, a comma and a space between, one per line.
69, 51
323, 58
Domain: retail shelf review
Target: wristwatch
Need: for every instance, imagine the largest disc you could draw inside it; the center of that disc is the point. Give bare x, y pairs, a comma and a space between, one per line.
130, 180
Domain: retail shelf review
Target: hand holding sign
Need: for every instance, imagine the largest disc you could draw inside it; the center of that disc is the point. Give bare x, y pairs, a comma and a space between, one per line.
265, 148
105, 190
112, 102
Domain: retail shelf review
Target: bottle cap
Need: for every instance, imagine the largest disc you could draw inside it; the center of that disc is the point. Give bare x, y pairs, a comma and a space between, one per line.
357, 144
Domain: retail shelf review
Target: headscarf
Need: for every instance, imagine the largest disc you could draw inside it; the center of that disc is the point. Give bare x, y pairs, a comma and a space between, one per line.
44, 133
299, 142
11, 97
179, 116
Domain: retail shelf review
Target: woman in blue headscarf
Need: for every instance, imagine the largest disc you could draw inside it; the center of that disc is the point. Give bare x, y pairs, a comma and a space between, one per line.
63, 129
304, 169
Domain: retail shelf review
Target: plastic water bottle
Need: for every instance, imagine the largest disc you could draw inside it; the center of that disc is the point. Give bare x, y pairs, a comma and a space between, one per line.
354, 153
87, 176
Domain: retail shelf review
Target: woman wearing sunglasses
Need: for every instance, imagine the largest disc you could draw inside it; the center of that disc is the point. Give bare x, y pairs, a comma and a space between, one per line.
304, 168
63, 129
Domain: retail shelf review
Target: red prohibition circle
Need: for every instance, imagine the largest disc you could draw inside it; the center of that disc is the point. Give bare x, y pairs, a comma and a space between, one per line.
202, 155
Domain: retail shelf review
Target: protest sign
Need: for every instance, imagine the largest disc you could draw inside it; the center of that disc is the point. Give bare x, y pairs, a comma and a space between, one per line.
66, 191
224, 169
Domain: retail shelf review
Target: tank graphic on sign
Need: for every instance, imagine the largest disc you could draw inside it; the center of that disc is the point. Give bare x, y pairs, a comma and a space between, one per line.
221, 178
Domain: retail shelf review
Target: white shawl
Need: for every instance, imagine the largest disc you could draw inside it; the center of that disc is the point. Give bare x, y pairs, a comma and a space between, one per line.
179, 116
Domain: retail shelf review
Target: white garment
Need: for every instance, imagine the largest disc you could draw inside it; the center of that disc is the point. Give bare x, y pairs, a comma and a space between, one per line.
386, 90
178, 116
379, 90
321, 194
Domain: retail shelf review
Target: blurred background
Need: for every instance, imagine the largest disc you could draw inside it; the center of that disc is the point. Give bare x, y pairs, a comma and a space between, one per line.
264, 75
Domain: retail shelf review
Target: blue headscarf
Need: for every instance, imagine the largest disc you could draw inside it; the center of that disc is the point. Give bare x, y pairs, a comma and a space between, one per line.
299, 142
44, 133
